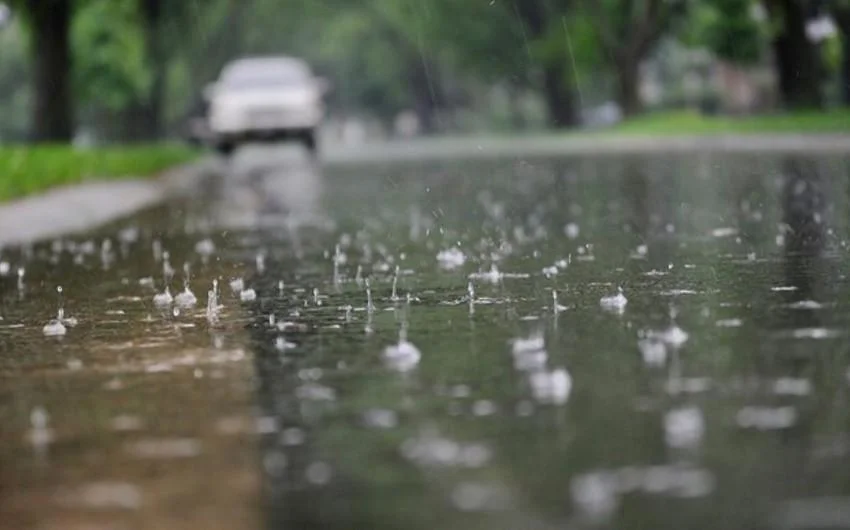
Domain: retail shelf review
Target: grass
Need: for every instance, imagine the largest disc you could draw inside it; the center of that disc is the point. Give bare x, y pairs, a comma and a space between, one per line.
25, 170
693, 123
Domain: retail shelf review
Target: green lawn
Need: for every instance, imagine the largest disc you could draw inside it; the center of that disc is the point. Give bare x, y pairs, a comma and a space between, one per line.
29, 169
667, 123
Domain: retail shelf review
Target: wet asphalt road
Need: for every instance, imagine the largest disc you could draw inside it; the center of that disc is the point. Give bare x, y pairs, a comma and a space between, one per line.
441, 345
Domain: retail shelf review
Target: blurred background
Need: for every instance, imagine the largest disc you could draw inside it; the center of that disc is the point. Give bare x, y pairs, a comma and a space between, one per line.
109, 71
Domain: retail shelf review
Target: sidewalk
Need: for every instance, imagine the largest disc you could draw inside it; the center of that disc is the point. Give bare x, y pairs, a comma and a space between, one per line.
77, 208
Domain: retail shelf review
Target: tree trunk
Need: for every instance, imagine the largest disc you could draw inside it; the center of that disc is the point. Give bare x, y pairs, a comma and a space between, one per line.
842, 19
517, 115
628, 89
797, 61
559, 98
151, 116
53, 114
425, 86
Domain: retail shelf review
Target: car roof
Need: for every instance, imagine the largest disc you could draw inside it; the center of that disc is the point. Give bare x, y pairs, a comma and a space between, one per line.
252, 66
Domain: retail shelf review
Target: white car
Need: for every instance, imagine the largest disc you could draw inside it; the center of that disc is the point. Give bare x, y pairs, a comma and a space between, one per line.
265, 99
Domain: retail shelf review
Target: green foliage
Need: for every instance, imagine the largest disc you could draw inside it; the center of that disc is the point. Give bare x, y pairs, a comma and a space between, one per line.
29, 170
730, 31
109, 54
14, 95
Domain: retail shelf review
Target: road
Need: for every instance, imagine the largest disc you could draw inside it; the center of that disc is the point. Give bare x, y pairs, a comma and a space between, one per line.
632, 341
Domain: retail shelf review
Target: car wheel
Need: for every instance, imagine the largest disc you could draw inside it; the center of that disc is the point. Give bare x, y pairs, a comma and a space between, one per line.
225, 148
310, 142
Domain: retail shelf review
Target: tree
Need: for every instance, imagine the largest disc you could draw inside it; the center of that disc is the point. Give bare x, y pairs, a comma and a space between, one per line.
627, 31
797, 59
50, 52
539, 18
840, 10
731, 31
152, 12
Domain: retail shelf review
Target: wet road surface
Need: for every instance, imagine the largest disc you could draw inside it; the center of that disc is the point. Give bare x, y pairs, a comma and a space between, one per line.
517, 343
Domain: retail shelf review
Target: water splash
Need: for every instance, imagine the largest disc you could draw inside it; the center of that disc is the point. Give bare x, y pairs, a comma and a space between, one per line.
54, 328
206, 248
40, 434
615, 303
403, 356
237, 285
370, 306
338, 260
653, 351
187, 298
394, 296
213, 308
551, 388
248, 295
556, 307
163, 299
529, 353
156, 247
451, 258
167, 269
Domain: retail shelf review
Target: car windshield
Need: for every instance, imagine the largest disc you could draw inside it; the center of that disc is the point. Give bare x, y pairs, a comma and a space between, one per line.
264, 74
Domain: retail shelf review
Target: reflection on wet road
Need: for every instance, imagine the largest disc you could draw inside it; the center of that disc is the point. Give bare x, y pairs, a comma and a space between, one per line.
627, 342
